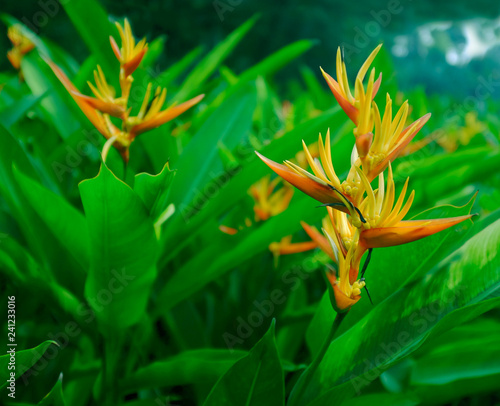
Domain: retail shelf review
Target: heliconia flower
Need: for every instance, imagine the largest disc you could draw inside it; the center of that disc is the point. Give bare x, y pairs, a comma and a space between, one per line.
385, 226
130, 54
286, 247
270, 202
21, 45
104, 99
105, 127
390, 138
341, 89
324, 185
300, 157
338, 237
228, 230
97, 110
343, 293
152, 117
462, 135
320, 240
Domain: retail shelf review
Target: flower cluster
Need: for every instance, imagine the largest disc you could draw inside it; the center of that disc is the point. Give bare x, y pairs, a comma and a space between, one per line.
359, 217
21, 45
105, 104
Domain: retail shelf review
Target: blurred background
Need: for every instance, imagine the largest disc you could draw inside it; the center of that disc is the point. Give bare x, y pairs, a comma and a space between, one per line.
458, 40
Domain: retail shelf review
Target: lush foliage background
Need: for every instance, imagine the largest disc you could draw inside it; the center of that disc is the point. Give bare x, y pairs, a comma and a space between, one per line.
186, 314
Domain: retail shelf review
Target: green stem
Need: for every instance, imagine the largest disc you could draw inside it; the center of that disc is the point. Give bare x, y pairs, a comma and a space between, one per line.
112, 346
305, 378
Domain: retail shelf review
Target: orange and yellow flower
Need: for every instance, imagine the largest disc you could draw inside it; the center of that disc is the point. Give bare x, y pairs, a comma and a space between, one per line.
360, 218
106, 104
286, 247
270, 201
385, 226
352, 104
21, 45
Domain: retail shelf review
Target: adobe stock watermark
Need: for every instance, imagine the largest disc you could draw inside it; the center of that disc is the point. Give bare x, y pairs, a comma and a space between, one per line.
74, 156
264, 309
225, 6
48, 9
363, 36
245, 154
419, 321
485, 88
72, 329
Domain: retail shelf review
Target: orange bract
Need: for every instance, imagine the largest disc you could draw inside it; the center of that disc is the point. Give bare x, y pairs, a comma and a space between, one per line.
98, 109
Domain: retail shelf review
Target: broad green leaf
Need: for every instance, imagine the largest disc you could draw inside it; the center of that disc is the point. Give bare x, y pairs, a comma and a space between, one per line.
42, 245
199, 162
186, 368
23, 360
475, 388
154, 190
123, 249
428, 166
155, 49
178, 68
267, 67
16, 262
203, 70
55, 397
66, 223
458, 289
92, 23
15, 112
57, 103
256, 379
468, 351
276, 61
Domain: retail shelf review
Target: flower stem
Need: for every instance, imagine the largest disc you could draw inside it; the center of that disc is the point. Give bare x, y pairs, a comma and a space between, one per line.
107, 146
305, 378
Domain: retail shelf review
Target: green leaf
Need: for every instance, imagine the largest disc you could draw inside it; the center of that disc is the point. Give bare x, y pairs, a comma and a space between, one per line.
265, 68
229, 124
66, 223
256, 379
186, 368
15, 112
209, 64
41, 243
123, 251
55, 397
473, 344
154, 190
57, 104
92, 23
276, 61
390, 399
155, 50
23, 360
458, 289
